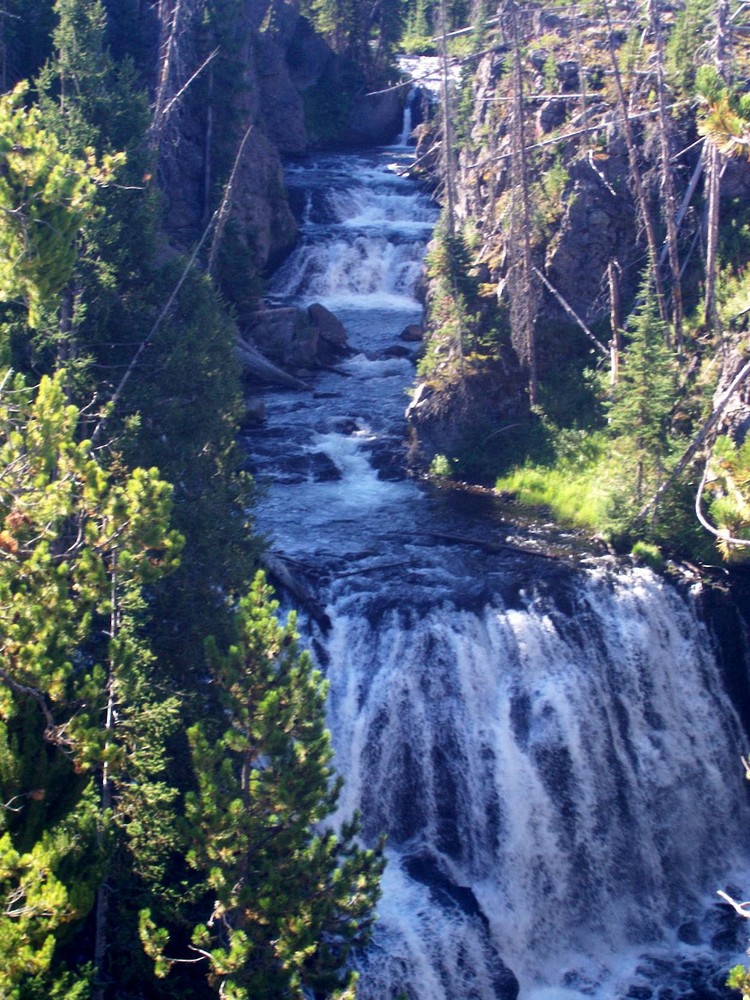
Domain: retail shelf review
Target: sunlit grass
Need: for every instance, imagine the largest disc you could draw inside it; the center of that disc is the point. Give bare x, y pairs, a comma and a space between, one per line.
576, 488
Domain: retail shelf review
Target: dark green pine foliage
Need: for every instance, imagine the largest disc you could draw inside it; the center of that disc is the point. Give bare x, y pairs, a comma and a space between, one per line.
181, 407
643, 400
25, 37
82, 722
286, 899
180, 414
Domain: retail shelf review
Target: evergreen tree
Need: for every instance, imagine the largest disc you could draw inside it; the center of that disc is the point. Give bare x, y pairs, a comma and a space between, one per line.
77, 546
641, 408
45, 195
287, 900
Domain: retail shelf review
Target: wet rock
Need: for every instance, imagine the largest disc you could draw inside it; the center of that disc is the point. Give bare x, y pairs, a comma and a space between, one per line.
389, 460
305, 467
412, 333
286, 337
424, 868
332, 332
255, 413
689, 932
298, 339
726, 930
323, 469
345, 425
397, 351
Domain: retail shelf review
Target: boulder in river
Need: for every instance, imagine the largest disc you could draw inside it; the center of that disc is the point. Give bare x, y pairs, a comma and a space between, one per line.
413, 333
298, 339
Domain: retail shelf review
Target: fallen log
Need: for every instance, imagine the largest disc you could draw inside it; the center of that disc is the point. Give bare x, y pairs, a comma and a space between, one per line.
278, 570
253, 362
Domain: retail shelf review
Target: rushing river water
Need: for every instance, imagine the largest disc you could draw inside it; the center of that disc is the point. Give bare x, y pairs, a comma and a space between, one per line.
546, 742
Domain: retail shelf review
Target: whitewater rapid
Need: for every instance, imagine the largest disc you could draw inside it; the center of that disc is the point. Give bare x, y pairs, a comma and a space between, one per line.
547, 743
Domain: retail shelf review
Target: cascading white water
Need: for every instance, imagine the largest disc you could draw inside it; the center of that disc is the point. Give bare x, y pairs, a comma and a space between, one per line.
572, 769
406, 128
549, 747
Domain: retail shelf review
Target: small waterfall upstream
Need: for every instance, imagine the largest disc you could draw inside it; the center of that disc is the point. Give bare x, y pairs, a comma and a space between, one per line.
547, 742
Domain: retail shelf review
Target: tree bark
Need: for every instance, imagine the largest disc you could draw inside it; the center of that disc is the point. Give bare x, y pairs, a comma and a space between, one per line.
713, 184
523, 307
615, 320
714, 169
101, 942
667, 180
450, 183
635, 173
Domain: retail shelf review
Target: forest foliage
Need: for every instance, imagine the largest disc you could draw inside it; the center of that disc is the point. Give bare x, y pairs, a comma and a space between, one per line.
166, 783
627, 416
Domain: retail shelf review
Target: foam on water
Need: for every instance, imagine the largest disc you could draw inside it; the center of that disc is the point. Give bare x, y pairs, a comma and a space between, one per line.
575, 774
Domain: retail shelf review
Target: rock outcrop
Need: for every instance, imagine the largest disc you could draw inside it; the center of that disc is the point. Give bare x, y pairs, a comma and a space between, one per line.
246, 108
586, 246
465, 413
297, 340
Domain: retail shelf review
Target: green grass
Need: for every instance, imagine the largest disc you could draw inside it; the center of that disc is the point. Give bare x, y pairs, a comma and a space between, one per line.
576, 486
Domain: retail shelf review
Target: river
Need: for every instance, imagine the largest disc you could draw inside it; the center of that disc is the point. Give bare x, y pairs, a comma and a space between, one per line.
546, 742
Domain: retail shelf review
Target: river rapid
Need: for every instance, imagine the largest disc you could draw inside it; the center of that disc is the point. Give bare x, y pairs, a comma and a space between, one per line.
547, 742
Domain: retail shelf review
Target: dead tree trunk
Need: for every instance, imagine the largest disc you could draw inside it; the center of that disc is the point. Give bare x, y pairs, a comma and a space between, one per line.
101, 934
714, 167
448, 162
615, 320
575, 17
667, 179
635, 173
522, 286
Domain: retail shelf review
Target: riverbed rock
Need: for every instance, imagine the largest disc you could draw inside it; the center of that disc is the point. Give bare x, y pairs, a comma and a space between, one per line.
334, 342
255, 413
465, 413
413, 333
398, 351
285, 336
298, 339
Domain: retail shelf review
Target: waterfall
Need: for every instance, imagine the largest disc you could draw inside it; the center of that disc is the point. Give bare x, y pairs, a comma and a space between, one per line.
567, 762
547, 743
403, 139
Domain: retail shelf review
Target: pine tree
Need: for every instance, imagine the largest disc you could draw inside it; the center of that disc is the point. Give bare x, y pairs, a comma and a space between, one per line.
287, 900
640, 412
45, 196
77, 544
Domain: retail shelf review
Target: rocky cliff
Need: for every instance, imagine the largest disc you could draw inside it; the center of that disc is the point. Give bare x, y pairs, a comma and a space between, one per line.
545, 204
255, 100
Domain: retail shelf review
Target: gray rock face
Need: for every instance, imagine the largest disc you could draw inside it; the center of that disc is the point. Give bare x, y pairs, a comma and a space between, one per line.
376, 119
598, 225
298, 339
204, 135
447, 419
281, 105
551, 115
